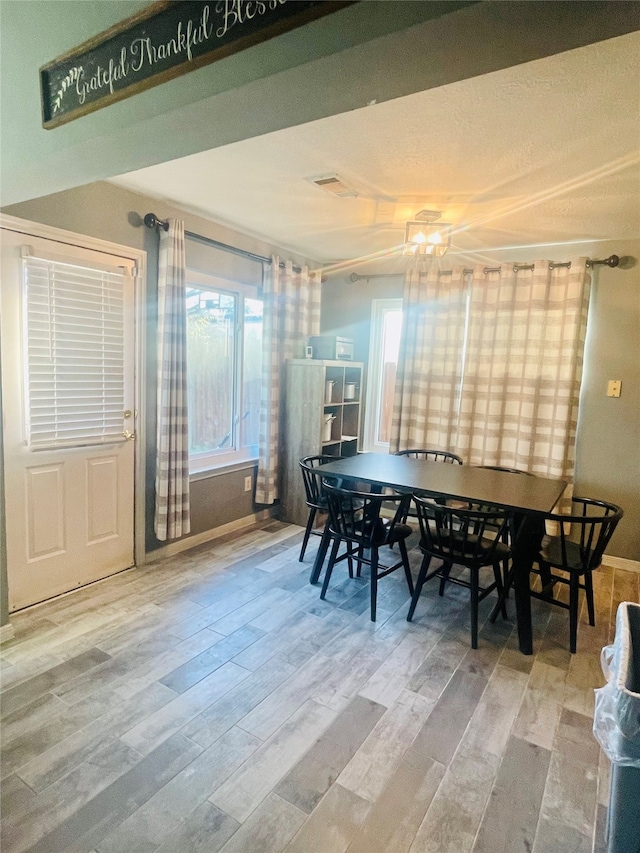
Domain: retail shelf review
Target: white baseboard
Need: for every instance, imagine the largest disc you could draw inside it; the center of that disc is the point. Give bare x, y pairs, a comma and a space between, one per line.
7, 633
621, 563
181, 545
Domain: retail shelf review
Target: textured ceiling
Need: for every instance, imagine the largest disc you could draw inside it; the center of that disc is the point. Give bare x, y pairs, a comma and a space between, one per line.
543, 152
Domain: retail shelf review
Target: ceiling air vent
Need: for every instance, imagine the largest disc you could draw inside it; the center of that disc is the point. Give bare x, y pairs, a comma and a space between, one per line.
334, 185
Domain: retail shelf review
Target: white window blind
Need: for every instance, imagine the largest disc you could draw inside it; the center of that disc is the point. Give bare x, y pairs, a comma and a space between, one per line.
73, 354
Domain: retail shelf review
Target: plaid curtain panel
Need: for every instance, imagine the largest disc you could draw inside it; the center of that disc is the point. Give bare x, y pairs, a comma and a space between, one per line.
490, 365
523, 368
172, 456
429, 372
291, 315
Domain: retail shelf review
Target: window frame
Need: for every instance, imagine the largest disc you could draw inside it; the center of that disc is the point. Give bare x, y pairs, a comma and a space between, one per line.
236, 456
379, 308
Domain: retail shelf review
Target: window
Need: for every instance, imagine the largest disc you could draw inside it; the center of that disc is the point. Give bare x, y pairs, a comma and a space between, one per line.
74, 342
386, 329
224, 363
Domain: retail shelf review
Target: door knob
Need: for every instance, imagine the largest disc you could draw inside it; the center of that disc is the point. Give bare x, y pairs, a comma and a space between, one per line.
130, 436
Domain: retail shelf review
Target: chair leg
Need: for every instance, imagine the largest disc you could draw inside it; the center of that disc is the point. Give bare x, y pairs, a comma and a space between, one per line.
574, 591
505, 575
588, 589
350, 560
307, 532
508, 582
444, 574
546, 578
475, 592
360, 558
332, 560
497, 573
374, 583
418, 587
321, 554
402, 545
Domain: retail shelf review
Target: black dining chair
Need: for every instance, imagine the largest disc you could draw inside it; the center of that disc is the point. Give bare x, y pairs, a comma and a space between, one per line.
506, 470
430, 456
355, 519
433, 455
314, 495
576, 550
471, 538
509, 533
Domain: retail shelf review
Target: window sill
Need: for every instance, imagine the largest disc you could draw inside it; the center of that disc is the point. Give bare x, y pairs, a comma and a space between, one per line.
225, 468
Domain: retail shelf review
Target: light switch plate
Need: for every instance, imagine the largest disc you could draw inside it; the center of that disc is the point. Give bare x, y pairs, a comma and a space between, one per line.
614, 387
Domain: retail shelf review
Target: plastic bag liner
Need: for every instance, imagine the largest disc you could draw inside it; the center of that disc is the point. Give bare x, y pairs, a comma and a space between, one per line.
616, 721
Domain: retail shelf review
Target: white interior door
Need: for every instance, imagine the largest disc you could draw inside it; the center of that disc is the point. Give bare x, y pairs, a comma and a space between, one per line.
67, 323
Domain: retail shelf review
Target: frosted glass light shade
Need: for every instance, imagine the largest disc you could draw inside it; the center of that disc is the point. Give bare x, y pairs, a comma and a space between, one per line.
427, 238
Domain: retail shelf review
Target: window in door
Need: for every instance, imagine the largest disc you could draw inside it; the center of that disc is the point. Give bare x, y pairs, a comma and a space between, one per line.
224, 364
74, 343
386, 329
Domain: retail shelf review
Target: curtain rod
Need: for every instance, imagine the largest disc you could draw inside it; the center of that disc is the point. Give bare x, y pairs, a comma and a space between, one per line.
152, 221
611, 261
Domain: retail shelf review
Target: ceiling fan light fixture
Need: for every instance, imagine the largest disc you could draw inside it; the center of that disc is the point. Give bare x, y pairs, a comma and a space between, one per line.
425, 236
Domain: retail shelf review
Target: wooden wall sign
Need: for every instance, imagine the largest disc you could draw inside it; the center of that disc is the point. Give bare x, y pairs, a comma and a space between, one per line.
162, 42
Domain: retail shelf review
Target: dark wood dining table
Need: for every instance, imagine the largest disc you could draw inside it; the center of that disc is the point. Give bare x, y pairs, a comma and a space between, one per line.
530, 498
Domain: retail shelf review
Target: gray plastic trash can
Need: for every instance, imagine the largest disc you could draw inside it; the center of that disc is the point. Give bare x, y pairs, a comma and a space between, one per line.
616, 726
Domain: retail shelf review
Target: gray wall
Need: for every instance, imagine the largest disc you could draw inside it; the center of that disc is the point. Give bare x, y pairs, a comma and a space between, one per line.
368, 51
148, 128
608, 440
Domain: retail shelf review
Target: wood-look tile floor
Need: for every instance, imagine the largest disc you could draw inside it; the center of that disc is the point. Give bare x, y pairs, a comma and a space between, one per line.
211, 702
